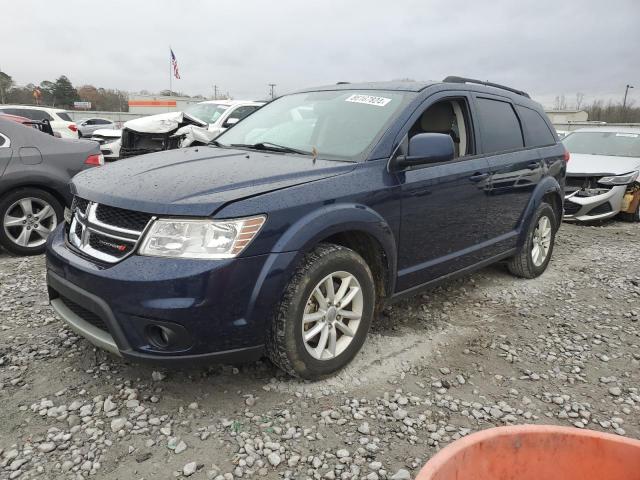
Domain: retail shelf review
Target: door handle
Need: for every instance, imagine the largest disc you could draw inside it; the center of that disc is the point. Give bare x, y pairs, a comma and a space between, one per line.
533, 165
478, 176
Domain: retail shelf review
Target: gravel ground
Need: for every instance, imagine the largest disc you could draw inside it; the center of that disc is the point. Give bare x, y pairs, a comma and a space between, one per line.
482, 351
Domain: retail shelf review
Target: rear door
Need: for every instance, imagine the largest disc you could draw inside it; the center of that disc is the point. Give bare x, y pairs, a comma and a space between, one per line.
5, 151
515, 169
443, 209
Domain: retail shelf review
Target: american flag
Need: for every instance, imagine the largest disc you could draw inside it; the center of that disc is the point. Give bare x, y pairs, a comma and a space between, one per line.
174, 63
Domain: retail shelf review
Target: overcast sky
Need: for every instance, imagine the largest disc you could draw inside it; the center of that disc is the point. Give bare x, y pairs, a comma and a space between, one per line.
545, 47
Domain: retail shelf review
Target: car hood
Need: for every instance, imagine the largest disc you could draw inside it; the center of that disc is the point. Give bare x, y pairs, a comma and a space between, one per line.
162, 122
600, 165
198, 181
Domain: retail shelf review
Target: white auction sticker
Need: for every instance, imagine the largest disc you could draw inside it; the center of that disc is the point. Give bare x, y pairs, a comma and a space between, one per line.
629, 135
369, 100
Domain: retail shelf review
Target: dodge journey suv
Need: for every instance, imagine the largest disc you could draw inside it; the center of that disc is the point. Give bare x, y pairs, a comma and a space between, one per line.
289, 232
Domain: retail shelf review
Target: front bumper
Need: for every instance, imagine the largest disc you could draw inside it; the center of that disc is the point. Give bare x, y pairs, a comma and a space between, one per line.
595, 207
208, 310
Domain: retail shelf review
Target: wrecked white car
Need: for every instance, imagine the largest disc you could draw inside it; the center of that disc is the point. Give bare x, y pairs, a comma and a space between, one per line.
602, 175
109, 140
197, 125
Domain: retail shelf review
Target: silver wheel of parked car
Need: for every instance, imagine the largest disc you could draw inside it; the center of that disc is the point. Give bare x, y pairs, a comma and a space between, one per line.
29, 221
332, 315
541, 241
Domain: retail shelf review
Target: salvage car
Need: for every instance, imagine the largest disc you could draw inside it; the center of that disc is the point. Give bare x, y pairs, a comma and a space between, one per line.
35, 170
60, 119
197, 125
602, 177
290, 231
109, 141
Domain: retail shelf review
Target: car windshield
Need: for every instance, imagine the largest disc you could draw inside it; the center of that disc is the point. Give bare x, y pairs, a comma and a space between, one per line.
617, 144
334, 125
207, 112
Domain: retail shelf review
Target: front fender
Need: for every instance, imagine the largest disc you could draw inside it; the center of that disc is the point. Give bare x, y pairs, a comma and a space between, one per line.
312, 228
546, 186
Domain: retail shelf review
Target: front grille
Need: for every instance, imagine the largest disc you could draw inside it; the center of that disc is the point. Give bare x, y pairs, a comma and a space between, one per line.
79, 204
108, 234
121, 218
600, 209
571, 208
84, 314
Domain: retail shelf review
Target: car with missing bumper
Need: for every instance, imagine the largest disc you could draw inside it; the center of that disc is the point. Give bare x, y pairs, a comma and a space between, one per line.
602, 177
290, 231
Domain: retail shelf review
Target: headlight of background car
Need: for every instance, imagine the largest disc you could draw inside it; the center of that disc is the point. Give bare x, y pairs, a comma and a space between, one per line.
625, 179
209, 239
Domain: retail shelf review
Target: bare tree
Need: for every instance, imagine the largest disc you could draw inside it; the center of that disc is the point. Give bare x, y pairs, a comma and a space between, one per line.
560, 103
579, 100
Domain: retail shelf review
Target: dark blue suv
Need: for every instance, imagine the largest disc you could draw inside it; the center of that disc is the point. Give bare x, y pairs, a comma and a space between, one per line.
289, 232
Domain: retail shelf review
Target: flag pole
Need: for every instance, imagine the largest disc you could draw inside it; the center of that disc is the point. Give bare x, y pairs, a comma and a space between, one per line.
169, 70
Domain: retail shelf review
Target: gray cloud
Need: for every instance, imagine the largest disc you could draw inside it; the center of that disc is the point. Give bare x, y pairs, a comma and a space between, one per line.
545, 47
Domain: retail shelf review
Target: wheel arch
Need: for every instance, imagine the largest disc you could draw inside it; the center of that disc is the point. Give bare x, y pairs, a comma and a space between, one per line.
548, 190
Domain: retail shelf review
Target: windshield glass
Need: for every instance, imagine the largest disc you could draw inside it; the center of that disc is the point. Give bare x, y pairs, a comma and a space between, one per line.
207, 112
618, 144
338, 125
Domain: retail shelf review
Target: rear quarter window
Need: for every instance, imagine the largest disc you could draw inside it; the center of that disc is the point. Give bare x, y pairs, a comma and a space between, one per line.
499, 126
64, 116
536, 130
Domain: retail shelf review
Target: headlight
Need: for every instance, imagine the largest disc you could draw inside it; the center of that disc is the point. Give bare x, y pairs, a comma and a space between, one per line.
210, 239
625, 179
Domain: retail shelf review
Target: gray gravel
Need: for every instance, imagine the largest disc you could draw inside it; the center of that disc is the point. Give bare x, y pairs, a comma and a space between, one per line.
478, 352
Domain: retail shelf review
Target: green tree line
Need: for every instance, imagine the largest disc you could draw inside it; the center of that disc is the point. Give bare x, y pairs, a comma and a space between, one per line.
61, 94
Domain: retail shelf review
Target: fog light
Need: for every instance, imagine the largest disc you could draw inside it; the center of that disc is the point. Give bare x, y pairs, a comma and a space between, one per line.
159, 337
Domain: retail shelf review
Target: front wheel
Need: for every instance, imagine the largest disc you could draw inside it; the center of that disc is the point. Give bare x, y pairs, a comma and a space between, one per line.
534, 256
27, 217
324, 315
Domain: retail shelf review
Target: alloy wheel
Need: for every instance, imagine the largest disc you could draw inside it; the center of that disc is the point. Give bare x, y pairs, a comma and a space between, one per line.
541, 241
29, 221
332, 315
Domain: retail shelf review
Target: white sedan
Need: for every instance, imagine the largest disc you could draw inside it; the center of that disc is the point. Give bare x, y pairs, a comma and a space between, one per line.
602, 174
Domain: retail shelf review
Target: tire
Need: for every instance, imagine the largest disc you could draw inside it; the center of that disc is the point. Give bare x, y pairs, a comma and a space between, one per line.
34, 228
523, 263
631, 217
286, 346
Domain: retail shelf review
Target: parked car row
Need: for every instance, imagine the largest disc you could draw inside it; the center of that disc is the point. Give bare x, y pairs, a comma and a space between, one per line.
60, 120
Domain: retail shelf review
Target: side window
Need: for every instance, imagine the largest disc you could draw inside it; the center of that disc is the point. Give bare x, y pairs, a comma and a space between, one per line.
101, 121
38, 115
16, 111
536, 131
63, 115
242, 112
499, 126
450, 117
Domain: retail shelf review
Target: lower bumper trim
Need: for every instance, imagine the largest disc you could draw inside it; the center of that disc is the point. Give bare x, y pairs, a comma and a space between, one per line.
98, 337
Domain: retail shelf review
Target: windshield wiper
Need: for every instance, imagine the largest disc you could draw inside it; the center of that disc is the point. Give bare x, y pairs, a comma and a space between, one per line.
272, 147
216, 143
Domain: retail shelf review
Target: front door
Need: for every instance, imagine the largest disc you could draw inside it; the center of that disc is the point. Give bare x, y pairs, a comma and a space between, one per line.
443, 205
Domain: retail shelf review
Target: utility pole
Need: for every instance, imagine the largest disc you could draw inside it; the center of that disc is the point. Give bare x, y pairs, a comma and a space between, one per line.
215, 92
624, 102
272, 91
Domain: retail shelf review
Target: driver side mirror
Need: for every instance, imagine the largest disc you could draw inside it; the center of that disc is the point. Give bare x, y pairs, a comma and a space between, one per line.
427, 148
229, 122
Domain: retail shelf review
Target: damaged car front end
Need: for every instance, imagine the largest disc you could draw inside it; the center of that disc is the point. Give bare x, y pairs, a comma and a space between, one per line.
602, 177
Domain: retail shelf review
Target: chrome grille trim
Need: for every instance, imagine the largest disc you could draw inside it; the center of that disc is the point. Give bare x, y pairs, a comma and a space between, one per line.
87, 223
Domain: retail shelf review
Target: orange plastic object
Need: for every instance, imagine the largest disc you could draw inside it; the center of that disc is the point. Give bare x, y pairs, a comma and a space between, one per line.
536, 452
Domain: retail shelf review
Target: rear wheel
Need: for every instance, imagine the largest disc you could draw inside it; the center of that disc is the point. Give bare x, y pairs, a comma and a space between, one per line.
324, 315
27, 217
535, 254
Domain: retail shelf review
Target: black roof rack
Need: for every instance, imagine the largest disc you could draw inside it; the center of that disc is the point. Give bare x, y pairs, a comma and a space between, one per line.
454, 79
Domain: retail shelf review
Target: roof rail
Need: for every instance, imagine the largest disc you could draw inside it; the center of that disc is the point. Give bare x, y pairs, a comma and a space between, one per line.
454, 79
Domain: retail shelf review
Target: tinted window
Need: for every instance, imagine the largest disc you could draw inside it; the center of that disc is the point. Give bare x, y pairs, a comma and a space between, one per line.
36, 114
2, 140
64, 116
16, 111
100, 121
499, 126
536, 131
